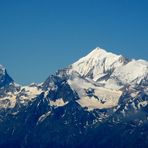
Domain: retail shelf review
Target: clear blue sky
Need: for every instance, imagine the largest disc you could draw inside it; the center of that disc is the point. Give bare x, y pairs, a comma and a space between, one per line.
37, 37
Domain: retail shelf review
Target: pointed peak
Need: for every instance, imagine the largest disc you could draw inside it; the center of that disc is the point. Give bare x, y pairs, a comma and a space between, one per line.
100, 52
100, 49
5, 79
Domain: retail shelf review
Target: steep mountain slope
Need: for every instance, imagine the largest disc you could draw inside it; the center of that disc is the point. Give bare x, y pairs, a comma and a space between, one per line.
101, 97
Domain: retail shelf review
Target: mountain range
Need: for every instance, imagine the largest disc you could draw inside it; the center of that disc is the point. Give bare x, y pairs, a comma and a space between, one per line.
99, 101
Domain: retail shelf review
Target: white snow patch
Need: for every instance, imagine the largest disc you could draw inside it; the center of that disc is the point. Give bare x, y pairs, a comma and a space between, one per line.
132, 73
58, 102
11, 98
43, 117
30, 92
109, 97
143, 104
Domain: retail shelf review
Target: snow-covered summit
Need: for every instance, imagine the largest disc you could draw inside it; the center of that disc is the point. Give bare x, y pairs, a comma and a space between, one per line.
111, 69
99, 52
98, 63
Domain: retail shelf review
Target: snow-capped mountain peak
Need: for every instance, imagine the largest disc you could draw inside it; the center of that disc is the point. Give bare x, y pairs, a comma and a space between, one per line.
98, 64
114, 71
99, 52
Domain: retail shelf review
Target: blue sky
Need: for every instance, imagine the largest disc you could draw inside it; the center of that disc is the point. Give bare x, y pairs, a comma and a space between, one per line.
37, 37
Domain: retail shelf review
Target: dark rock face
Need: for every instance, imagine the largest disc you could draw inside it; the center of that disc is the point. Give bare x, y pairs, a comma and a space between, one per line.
5, 79
6, 83
59, 88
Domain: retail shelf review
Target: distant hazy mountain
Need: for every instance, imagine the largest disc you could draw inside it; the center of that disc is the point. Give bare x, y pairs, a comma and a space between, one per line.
99, 101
